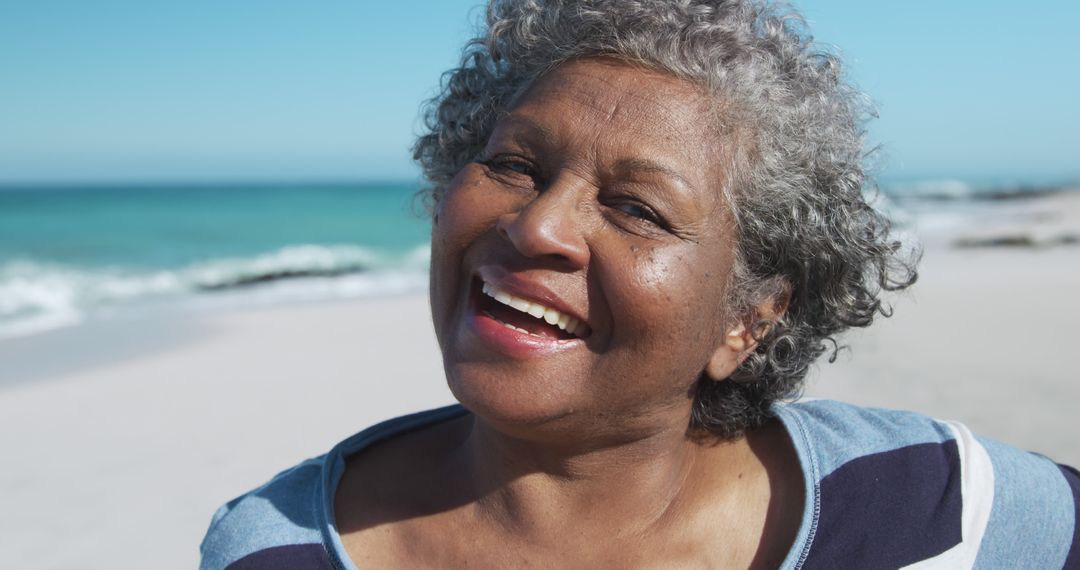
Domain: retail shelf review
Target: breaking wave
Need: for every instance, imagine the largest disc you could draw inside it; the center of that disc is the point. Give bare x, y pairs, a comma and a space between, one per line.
37, 296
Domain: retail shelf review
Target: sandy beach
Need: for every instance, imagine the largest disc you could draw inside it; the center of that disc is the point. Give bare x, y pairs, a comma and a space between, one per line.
120, 438
120, 464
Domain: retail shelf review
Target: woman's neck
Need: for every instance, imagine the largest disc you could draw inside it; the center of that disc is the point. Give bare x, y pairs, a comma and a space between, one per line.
463, 493
636, 484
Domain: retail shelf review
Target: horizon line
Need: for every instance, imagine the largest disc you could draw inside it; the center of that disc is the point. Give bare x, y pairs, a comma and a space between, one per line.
199, 182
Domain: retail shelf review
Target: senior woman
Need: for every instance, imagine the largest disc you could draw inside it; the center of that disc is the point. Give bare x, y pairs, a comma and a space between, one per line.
648, 221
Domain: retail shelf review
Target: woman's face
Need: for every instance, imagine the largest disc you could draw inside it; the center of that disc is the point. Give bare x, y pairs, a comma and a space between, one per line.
597, 199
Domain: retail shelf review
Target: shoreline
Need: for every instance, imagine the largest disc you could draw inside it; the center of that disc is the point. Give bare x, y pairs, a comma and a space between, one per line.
139, 331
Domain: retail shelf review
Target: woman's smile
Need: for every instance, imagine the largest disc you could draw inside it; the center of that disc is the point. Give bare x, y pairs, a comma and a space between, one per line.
570, 326
570, 260
519, 318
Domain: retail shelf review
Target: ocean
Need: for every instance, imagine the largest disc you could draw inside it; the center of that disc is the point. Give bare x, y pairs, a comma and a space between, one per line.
72, 253
76, 253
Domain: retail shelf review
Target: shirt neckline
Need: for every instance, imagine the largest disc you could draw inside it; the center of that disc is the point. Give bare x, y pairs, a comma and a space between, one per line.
334, 468
792, 420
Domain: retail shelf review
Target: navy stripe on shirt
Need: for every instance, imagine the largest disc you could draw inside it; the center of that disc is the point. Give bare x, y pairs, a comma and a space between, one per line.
1072, 477
889, 509
286, 557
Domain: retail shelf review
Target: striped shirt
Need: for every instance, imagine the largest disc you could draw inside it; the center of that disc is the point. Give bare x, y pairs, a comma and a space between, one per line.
884, 489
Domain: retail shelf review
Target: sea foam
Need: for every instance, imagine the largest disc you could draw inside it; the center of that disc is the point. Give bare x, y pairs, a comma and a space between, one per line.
37, 296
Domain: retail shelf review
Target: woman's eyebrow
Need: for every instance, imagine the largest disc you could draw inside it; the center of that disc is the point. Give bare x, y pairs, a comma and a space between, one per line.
527, 129
629, 166
530, 131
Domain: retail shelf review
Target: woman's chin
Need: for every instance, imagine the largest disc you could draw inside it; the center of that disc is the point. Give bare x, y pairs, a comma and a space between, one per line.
515, 406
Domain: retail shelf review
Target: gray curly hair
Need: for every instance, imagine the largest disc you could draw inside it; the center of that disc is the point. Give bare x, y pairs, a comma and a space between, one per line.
806, 232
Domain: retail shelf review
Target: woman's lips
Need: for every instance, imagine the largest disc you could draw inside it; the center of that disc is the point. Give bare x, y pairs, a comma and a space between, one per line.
527, 296
518, 327
553, 317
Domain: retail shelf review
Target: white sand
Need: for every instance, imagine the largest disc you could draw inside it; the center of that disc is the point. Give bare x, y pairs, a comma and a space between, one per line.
986, 337
121, 465
119, 462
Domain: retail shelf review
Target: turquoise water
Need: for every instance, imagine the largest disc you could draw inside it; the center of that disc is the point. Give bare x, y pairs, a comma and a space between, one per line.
67, 252
170, 226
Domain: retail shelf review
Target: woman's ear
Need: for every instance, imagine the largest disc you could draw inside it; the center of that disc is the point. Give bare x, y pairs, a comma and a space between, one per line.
742, 337
736, 345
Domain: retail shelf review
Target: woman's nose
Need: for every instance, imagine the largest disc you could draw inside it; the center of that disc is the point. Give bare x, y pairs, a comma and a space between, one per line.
549, 227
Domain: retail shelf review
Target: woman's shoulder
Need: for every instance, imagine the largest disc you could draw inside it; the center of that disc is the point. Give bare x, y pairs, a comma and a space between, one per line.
896, 488
290, 517
279, 519
835, 433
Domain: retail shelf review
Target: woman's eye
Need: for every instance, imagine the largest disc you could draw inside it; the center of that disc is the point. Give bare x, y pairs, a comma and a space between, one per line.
634, 210
519, 167
638, 212
512, 165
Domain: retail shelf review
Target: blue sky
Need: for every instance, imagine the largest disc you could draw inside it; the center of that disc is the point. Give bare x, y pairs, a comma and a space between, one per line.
116, 90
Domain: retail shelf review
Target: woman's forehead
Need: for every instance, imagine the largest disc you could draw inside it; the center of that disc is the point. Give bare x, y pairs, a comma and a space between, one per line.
622, 93
638, 116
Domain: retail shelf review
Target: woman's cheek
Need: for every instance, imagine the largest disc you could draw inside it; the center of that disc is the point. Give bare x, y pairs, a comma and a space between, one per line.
676, 288
470, 207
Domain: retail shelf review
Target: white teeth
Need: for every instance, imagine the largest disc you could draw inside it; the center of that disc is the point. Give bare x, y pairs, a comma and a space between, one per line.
518, 329
508, 325
550, 316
